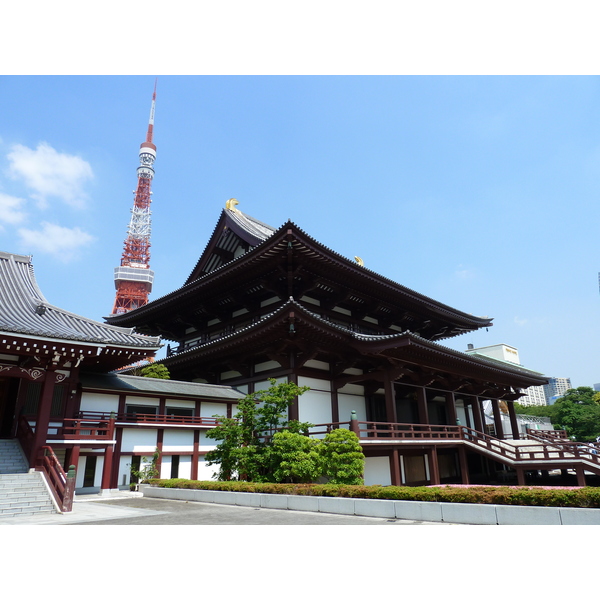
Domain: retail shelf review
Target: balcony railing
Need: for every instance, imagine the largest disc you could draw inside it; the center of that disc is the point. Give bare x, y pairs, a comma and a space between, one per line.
146, 419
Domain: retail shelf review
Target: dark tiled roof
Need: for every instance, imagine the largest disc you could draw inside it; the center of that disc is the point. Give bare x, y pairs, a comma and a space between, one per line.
166, 387
24, 310
252, 226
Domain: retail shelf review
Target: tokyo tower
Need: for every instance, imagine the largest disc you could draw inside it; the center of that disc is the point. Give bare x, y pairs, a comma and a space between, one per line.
133, 278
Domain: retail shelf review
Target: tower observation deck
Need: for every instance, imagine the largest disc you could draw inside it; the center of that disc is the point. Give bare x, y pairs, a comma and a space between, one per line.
134, 278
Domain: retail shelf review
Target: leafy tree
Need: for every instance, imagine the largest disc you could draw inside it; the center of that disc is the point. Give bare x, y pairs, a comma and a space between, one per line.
295, 458
534, 410
260, 445
244, 448
343, 458
578, 413
155, 370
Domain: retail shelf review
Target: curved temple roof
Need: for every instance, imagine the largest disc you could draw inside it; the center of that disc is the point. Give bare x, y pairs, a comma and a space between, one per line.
25, 311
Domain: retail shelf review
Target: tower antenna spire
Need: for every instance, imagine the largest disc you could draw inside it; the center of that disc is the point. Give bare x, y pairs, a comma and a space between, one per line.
134, 278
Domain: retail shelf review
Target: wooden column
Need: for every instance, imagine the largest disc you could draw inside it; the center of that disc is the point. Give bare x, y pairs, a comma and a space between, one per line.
395, 468
513, 420
159, 445
107, 468
497, 419
294, 410
478, 415
434, 469
520, 475
72, 457
451, 408
195, 455
43, 416
390, 398
580, 475
335, 405
464, 465
422, 406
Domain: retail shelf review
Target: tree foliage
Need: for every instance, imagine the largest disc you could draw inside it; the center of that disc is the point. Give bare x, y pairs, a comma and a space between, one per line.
259, 444
577, 411
155, 370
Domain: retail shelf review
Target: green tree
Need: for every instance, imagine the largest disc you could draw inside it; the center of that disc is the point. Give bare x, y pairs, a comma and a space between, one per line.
343, 458
295, 458
245, 440
577, 412
155, 370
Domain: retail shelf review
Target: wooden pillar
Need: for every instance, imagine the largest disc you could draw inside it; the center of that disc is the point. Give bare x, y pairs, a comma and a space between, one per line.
580, 475
159, 445
107, 468
497, 419
434, 469
422, 406
294, 409
464, 466
195, 455
390, 398
478, 415
72, 457
513, 420
520, 475
451, 408
43, 416
395, 468
335, 405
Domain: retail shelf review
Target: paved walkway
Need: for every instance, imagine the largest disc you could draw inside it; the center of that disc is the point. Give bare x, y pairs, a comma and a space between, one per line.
131, 508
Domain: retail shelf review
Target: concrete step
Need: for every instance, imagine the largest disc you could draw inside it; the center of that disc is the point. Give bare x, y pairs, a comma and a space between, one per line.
24, 494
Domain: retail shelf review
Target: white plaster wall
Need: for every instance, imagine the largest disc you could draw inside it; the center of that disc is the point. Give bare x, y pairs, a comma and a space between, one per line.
349, 402
315, 384
99, 402
205, 443
266, 384
124, 470
206, 472
180, 403
210, 409
377, 470
141, 401
315, 407
139, 440
176, 440
185, 467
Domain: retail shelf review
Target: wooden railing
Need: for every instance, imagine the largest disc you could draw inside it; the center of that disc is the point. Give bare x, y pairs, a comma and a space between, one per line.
85, 429
137, 418
61, 484
557, 449
550, 435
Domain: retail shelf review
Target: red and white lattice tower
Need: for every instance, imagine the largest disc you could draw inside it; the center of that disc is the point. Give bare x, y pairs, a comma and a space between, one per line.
133, 278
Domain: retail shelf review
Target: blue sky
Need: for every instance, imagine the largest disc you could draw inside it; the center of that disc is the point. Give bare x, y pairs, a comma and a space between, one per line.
478, 191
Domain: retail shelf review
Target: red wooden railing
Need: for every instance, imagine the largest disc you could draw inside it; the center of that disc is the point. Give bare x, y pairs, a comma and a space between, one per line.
137, 418
61, 484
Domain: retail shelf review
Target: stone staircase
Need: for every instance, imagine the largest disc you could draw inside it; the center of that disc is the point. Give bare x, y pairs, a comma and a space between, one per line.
21, 492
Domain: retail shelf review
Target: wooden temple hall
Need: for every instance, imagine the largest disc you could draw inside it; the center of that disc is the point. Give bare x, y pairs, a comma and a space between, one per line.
275, 303
260, 304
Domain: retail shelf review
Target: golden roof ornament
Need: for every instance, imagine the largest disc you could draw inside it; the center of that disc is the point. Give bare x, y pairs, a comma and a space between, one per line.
360, 261
230, 204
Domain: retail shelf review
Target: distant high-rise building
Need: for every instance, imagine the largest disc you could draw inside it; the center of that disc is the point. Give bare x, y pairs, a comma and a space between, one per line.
556, 387
536, 394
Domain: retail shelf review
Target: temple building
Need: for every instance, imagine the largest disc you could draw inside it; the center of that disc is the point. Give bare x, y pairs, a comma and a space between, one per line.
275, 303
61, 403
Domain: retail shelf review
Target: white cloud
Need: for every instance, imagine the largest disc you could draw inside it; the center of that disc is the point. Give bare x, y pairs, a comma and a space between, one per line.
11, 210
463, 273
521, 322
49, 173
62, 242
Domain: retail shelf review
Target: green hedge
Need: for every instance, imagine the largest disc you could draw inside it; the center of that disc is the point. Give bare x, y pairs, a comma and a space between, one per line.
582, 497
